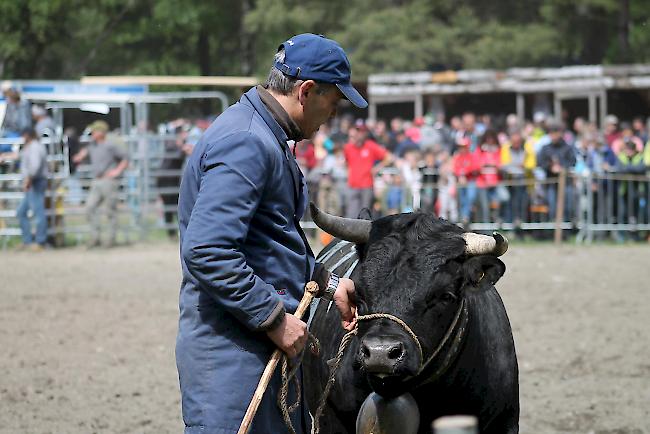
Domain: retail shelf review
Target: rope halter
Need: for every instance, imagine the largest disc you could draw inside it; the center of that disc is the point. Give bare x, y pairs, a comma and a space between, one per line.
405, 326
398, 321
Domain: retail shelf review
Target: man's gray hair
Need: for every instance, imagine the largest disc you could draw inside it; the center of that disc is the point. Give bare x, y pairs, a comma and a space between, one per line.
278, 82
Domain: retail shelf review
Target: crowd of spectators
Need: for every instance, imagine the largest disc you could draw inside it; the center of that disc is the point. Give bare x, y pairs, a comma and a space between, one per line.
471, 169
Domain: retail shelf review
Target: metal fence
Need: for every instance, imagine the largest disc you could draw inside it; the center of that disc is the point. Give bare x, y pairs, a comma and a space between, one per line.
143, 196
592, 206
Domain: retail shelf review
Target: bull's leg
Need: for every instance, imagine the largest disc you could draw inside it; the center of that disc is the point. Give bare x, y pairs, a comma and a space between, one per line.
506, 423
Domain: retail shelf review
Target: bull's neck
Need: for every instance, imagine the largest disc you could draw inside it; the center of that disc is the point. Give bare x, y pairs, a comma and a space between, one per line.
487, 330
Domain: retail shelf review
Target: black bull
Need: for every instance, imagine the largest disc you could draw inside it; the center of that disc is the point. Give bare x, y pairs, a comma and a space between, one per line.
417, 268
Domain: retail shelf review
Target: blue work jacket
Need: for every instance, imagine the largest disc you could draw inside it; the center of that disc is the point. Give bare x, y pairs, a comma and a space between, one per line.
242, 253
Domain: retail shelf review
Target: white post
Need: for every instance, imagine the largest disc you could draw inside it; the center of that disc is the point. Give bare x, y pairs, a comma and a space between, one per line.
521, 107
592, 108
372, 109
603, 107
456, 425
419, 106
557, 108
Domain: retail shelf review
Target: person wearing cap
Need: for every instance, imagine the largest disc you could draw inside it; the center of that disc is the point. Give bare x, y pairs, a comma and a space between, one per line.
107, 163
18, 116
33, 168
244, 257
43, 123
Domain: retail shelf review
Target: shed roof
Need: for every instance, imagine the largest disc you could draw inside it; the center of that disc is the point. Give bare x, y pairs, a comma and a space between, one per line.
518, 80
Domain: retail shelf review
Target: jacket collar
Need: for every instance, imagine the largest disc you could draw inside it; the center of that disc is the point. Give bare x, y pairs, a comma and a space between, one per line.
280, 114
253, 97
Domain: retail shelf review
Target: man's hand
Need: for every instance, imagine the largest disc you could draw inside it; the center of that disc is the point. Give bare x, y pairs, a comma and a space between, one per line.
556, 168
112, 173
80, 156
290, 336
27, 183
345, 302
117, 170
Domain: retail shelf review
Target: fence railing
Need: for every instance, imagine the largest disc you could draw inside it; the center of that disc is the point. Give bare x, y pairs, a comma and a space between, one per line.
140, 209
591, 205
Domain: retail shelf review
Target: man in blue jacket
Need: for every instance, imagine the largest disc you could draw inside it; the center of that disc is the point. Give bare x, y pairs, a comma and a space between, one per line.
245, 258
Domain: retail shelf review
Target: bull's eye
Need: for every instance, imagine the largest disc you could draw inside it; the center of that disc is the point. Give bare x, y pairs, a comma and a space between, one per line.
441, 298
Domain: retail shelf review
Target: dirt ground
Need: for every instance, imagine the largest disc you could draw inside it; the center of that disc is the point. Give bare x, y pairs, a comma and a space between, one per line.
87, 339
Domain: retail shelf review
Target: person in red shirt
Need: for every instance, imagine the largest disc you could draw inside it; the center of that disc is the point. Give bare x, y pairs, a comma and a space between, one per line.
305, 153
466, 170
361, 155
488, 158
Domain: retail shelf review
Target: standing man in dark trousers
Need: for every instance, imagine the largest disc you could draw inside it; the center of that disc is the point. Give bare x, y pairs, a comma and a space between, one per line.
33, 168
169, 180
245, 258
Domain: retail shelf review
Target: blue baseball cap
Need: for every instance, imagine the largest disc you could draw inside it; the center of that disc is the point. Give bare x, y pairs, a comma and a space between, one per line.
314, 57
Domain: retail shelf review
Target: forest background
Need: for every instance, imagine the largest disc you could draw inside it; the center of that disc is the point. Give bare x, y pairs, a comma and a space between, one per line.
69, 39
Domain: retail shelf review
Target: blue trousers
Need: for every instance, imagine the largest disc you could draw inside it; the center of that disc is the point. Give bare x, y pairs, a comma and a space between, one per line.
35, 200
466, 199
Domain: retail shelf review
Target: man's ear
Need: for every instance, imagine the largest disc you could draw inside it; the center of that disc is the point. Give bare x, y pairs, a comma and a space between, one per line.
483, 268
304, 89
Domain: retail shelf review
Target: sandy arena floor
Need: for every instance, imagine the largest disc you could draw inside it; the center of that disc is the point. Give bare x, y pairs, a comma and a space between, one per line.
87, 339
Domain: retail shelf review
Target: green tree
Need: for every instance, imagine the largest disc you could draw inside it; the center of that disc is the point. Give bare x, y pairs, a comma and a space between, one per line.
72, 38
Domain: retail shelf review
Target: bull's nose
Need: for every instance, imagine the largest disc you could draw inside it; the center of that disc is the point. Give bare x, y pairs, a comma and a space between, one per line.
380, 356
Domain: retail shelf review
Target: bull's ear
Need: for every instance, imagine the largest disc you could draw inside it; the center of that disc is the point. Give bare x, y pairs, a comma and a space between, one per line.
484, 268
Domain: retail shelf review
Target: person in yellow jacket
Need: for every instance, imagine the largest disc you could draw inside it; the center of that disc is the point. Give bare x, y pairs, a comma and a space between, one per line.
517, 162
530, 160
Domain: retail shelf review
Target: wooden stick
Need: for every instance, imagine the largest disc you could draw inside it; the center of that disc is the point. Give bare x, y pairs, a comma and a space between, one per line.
311, 291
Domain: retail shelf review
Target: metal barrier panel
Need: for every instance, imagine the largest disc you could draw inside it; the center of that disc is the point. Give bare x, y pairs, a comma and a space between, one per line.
138, 197
616, 204
587, 204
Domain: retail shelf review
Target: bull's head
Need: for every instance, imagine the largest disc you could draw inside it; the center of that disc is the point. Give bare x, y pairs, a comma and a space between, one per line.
418, 268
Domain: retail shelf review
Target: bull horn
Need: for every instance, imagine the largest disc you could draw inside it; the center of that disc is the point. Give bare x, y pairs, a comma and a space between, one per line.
354, 230
478, 244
